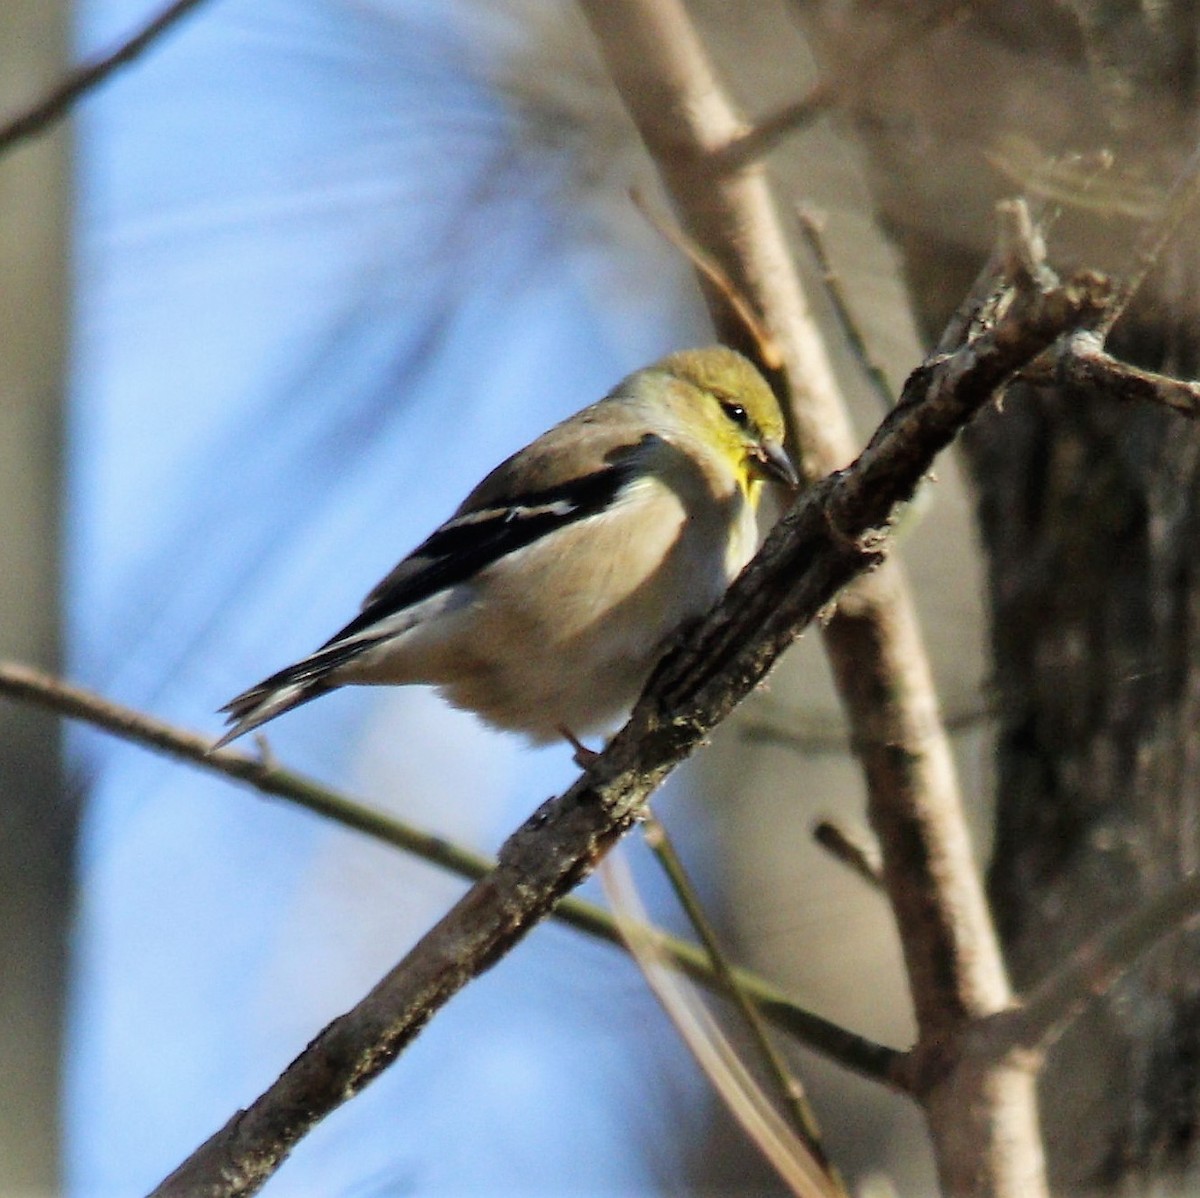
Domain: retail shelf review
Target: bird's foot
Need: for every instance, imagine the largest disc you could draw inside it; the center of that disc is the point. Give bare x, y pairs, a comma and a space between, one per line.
583, 756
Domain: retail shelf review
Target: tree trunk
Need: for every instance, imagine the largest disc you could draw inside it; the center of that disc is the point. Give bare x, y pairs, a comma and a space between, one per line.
1089, 514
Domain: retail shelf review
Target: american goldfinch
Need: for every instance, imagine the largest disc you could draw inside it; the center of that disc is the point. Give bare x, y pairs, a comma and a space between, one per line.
544, 602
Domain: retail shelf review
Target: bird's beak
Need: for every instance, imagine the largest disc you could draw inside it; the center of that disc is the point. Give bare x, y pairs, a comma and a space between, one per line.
773, 462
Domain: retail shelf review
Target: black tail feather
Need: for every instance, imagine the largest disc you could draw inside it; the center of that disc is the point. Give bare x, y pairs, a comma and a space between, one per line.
288, 688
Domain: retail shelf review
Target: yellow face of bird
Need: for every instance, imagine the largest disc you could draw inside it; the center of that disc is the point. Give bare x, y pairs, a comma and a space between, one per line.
740, 414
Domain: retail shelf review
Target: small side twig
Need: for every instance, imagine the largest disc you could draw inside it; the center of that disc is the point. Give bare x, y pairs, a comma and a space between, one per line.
53, 106
753, 144
860, 858
1089, 973
708, 267
813, 229
789, 1088
1156, 236
813, 735
1083, 363
761, 138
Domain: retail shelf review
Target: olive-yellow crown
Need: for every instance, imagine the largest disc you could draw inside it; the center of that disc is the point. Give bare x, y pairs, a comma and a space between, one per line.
734, 404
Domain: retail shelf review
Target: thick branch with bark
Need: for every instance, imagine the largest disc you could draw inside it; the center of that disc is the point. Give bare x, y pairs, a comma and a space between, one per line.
825, 541
873, 641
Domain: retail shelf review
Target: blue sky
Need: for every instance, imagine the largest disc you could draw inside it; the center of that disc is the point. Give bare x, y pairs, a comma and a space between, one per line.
325, 280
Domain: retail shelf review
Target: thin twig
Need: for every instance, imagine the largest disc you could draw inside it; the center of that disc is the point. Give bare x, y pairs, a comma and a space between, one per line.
53, 106
861, 859
759, 140
789, 1087
799, 1169
264, 775
706, 265
1156, 236
1085, 182
753, 144
1090, 972
812, 735
812, 227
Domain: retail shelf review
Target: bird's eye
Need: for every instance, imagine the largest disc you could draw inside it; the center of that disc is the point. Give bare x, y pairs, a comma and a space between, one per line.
736, 413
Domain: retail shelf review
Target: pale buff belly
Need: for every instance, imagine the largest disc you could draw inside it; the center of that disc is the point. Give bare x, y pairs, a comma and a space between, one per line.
578, 657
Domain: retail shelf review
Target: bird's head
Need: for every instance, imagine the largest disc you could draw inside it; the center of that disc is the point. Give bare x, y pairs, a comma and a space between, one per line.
731, 405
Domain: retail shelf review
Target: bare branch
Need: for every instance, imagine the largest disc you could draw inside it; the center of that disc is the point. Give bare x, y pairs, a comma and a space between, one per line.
813, 735
875, 650
260, 773
812, 552
806, 1174
755, 143
1084, 364
1157, 235
861, 859
707, 266
789, 1088
53, 106
1089, 973
882, 672
812, 227
264, 775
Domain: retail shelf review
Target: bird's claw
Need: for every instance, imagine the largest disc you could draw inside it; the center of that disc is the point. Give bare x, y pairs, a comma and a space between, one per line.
582, 756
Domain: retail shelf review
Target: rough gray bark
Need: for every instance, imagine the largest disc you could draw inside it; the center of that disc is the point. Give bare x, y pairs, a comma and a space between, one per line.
1088, 512
1090, 516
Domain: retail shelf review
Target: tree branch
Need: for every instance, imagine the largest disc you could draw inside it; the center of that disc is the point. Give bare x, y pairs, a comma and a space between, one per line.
882, 672
1156, 236
53, 106
1090, 972
860, 859
1085, 365
823, 542
872, 639
863, 62
812, 229
789, 1090
756, 142
856, 1053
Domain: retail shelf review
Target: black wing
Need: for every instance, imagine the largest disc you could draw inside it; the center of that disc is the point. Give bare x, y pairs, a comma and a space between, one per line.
474, 540
464, 545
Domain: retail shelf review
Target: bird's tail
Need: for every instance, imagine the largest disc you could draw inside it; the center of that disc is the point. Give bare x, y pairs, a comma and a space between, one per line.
290, 687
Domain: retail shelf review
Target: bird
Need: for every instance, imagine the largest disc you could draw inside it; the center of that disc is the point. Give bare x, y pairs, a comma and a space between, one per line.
544, 602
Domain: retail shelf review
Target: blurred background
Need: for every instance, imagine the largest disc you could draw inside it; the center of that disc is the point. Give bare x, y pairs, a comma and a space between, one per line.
283, 291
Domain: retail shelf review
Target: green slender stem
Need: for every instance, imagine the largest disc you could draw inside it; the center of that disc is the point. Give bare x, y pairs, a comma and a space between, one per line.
796, 1106
866, 1057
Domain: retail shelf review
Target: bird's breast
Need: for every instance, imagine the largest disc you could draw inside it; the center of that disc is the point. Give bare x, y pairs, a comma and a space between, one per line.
564, 632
